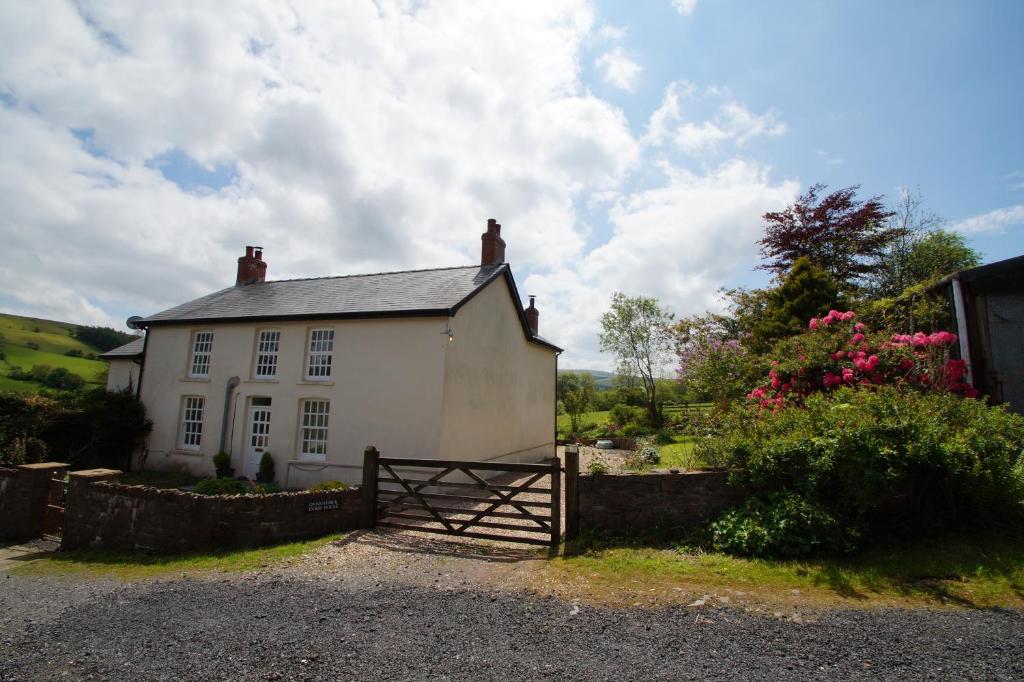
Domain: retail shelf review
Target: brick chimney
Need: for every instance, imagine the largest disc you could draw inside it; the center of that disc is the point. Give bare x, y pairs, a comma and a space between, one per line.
493, 249
251, 266
532, 316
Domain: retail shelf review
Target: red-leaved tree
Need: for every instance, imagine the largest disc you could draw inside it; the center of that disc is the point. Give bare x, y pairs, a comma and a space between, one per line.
839, 233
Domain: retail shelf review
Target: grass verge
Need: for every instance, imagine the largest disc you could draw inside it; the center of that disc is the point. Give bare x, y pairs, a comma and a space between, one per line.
976, 572
139, 566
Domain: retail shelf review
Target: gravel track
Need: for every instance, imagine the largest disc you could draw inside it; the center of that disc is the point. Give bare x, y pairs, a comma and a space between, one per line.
346, 617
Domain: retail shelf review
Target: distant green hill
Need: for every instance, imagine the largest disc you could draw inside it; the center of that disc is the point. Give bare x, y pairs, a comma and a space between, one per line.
53, 339
602, 380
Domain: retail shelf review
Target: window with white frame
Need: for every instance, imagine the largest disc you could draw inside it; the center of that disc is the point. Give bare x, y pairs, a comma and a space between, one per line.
266, 354
192, 422
314, 429
202, 348
321, 351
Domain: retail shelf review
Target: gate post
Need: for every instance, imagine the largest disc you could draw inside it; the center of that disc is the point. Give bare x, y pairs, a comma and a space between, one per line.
556, 502
572, 492
369, 492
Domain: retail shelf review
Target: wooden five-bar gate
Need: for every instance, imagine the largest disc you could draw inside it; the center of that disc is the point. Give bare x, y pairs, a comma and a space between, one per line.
451, 497
53, 517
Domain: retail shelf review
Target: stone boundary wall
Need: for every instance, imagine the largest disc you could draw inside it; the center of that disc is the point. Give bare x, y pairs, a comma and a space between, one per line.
109, 515
634, 502
24, 492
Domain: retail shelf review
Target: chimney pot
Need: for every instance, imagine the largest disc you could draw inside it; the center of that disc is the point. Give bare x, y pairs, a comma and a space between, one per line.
251, 266
532, 316
492, 251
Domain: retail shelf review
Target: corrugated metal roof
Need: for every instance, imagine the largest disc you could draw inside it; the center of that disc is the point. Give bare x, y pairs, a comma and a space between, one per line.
132, 349
384, 294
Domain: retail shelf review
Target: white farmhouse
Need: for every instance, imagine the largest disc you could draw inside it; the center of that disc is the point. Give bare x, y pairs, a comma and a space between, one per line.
440, 363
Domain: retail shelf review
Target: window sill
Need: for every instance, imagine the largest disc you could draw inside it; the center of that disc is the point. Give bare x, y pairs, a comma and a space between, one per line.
310, 382
187, 453
196, 380
261, 381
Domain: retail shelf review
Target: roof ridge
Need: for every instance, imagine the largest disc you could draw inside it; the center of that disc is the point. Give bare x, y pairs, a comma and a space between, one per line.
377, 274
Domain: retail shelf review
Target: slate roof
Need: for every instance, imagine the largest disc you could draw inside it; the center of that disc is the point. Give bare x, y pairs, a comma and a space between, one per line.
411, 293
130, 350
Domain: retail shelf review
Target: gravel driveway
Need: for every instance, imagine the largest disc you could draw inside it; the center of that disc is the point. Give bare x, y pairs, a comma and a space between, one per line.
392, 607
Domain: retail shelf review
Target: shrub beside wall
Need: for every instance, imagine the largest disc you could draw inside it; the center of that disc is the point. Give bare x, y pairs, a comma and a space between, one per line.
113, 516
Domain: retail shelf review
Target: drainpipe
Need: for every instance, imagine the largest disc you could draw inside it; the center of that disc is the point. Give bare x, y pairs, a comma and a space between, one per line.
232, 384
961, 328
556, 402
142, 366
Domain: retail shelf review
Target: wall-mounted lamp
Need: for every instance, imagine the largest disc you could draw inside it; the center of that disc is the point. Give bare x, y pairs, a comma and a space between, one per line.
449, 332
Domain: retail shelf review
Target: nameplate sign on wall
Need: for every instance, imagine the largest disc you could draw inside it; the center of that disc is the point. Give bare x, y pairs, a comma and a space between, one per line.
321, 505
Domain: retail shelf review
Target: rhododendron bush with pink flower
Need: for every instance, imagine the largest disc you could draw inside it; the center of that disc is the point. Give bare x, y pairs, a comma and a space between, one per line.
836, 351
847, 467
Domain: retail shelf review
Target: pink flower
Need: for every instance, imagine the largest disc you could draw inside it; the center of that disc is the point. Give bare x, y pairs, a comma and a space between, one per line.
775, 382
830, 380
873, 362
847, 375
920, 339
813, 324
838, 355
847, 316
859, 327
861, 364
856, 338
906, 363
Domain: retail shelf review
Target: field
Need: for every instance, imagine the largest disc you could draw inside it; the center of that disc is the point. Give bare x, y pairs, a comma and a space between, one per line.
54, 339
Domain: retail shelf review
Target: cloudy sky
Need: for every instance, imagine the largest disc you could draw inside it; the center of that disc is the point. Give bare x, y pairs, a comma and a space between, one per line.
623, 146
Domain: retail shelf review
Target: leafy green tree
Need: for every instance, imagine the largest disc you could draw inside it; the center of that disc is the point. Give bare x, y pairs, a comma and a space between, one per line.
806, 291
921, 251
639, 333
939, 253
103, 338
577, 399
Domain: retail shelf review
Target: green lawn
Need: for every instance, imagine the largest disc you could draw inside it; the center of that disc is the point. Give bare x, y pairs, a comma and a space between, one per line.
135, 565
679, 455
586, 419
974, 571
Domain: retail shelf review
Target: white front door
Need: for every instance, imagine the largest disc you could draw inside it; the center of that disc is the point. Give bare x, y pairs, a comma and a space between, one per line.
259, 438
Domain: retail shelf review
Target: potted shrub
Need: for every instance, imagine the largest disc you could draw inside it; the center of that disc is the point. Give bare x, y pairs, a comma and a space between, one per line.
266, 472
222, 463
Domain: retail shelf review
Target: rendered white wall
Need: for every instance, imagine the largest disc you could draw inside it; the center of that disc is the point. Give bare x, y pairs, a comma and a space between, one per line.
499, 388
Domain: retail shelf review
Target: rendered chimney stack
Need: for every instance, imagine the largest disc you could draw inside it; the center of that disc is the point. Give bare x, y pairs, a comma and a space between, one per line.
251, 266
532, 316
492, 251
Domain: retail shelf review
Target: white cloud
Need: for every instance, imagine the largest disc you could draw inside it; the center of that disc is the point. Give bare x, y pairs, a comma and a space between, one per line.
828, 159
680, 242
684, 7
618, 69
731, 121
993, 221
363, 137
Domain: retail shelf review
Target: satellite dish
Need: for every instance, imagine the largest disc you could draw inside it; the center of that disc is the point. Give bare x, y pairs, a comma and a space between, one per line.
133, 322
